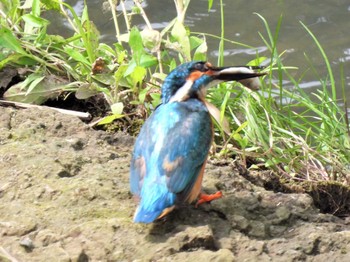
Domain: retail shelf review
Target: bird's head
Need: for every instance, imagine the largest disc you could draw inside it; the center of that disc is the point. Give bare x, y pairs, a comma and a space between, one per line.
190, 80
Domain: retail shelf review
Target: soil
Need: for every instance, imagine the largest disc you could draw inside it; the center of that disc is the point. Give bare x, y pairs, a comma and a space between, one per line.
64, 196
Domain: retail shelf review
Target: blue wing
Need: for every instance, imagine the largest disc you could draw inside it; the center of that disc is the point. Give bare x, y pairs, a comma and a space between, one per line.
168, 156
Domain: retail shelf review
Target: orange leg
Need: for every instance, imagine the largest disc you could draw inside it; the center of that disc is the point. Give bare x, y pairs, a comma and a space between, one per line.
203, 198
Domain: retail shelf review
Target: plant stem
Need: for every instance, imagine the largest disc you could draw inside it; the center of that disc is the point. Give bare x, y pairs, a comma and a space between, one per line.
143, 14
115, 20
125, 15
222, 35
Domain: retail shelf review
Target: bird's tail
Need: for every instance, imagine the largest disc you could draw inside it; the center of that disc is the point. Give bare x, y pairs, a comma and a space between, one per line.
153, 206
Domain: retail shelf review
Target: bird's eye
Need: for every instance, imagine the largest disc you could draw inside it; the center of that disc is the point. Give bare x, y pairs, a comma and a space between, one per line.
202, 66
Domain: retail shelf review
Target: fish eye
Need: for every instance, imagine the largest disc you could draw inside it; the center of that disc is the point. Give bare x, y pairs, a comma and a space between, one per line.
207, 66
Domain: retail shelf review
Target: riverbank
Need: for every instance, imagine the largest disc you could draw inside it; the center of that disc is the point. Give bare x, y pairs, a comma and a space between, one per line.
64, 196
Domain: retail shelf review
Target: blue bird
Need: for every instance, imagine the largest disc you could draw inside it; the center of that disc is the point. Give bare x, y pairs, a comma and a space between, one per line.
171, 150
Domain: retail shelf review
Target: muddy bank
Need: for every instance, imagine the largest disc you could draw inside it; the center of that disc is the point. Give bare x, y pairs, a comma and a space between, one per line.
64, 196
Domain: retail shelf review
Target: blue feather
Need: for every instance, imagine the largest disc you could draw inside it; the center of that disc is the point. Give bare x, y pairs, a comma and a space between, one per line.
173, 144
168, 155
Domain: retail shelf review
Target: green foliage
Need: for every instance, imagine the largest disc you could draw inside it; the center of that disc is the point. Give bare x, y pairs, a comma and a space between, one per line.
124, 75
301, 136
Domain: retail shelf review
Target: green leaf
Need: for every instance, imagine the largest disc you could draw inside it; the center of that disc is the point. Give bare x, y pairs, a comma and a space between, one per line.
151, 39
142, 95
135, 40
257, 61
39, 94
135, 43
117, 108
254, 167
180, 35
107, 50
86, 90
195, 42
34, 83
155, 99
51, 4
119, 74
91, 43
26, 60
179, 31
269, 163
76, 55
237, 137
201, 52
36, 8
147, 60
243, 142
210, 4
85, 14
131, 67
138, 75
26, 5
8, 40
35, 21
15, 58
242, 126
109, 119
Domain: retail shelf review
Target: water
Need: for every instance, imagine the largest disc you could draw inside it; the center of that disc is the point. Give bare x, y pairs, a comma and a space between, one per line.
328, 20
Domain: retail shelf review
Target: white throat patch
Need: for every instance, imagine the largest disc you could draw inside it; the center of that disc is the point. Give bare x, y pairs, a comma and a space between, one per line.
182, 93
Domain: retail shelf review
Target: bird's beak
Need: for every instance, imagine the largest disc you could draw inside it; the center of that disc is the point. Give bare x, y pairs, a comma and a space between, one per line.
246, 75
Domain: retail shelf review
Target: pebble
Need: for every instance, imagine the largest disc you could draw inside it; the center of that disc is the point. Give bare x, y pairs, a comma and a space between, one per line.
27, 243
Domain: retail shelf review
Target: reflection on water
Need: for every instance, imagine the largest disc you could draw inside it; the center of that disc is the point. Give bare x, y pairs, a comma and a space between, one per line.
238, 51
328, 20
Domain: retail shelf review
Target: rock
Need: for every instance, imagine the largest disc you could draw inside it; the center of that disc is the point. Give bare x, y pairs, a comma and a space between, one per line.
239, 222
190, 238
283, 214
47, 237
258, 229
17, 229
222, 255
27, 243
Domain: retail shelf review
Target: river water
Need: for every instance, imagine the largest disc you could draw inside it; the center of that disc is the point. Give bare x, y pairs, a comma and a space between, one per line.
328, 20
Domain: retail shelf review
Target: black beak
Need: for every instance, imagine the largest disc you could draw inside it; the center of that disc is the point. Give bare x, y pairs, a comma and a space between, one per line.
246, 75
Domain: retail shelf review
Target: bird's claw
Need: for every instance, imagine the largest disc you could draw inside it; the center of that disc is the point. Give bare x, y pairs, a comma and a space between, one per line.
204, 198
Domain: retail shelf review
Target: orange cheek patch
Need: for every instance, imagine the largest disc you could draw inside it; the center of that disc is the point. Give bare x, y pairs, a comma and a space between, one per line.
197, 74
194, 76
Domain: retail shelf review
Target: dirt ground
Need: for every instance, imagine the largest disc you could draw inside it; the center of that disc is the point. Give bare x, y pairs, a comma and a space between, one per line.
64, 196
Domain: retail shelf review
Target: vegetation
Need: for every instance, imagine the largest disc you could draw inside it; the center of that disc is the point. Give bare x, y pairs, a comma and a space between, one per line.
303, 138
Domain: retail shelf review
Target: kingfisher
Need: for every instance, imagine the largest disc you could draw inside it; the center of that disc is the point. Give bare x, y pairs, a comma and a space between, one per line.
172, 147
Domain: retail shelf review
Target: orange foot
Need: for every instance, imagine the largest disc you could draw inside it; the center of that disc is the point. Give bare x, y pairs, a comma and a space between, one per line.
203, 198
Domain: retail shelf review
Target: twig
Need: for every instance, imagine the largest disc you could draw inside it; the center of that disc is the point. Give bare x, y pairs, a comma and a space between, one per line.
9, 21
81, 115
143, 14
149, 26
64, 12
7, 255
125, 15
115, 20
